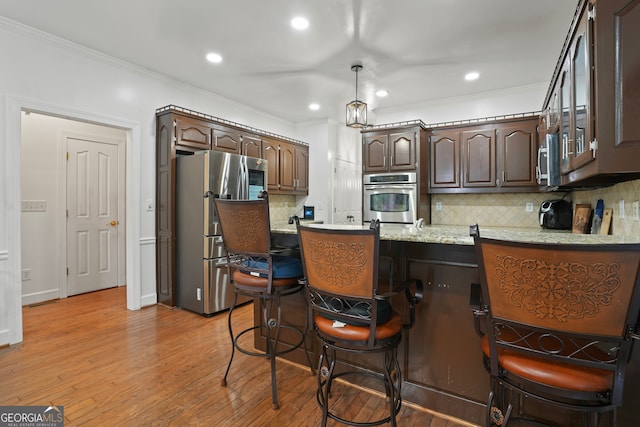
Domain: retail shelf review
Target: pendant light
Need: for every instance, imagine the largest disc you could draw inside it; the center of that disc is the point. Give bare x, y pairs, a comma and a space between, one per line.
356, 109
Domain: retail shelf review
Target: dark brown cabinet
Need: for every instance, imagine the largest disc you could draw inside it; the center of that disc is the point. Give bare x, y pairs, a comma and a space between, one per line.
252, 146
444, 159
192, 134
479, 158
593, 101
288, 167
388, 151
182, 132
492, 157
227, 140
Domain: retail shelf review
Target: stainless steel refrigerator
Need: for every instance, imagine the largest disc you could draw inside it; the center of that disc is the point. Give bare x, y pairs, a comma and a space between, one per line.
202, 279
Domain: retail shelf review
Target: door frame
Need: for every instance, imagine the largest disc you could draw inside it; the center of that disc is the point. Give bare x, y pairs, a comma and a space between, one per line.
15, 105
62, 202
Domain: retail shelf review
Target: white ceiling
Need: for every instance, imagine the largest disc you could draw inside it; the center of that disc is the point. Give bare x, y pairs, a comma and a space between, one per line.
418, 50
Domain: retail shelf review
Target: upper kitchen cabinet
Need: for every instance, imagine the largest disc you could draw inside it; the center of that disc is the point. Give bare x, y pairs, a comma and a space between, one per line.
444, 159
497, 156
593, 103
182, 132
251, 146
192, 134
228, 140
388, 150
288, 165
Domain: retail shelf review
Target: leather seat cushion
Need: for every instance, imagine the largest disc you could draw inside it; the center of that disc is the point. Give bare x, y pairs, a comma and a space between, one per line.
261, 282
543, 371
284, 267
359, 333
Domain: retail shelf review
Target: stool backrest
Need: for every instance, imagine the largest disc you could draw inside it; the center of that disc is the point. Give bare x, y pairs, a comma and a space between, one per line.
245, 225
341, 270
577, 303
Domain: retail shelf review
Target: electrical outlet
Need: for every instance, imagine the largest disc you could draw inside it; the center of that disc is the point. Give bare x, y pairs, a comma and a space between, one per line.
636, 210
199, 294
26, 274
438, 206
529, 207
621, 207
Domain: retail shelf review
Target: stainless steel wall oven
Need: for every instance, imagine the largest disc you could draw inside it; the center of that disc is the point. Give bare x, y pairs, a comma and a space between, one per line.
390, 197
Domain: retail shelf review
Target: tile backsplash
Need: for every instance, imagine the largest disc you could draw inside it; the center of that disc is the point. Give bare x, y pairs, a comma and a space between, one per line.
281, 207
490, 210
509, 210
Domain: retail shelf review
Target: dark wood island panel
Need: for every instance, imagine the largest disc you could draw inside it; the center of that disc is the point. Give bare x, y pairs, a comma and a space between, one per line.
441, 356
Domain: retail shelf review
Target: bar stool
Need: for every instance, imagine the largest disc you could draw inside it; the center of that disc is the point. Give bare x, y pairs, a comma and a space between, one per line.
257, 273
348, 314
561, 320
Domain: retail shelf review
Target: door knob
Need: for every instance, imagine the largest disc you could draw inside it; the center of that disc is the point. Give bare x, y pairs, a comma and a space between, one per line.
113, 223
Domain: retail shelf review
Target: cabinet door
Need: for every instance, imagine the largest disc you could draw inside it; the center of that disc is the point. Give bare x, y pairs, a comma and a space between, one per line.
517, 146
287, 167
583, 94
444, 159
226, 140
302, 169
374, 153
402, 151
479, 157
192, 133
252, 146
627, 83
272, 156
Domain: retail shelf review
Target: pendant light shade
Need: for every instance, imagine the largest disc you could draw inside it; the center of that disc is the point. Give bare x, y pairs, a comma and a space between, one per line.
356, 109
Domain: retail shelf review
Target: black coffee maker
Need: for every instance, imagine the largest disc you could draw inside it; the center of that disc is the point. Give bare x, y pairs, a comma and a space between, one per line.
556, 214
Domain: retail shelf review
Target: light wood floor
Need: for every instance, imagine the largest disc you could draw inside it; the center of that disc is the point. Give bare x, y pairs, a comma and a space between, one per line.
158, 366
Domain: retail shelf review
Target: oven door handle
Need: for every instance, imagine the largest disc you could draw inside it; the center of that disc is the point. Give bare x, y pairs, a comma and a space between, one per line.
390, 187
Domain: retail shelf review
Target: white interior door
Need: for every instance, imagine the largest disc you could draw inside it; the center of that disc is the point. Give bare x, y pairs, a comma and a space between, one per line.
92, 215
347, 193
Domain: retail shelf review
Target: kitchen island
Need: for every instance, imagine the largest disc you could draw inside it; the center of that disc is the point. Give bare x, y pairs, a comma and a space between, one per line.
441, 357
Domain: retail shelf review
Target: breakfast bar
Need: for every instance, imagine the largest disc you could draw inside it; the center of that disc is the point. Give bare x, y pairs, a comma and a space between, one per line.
441, 357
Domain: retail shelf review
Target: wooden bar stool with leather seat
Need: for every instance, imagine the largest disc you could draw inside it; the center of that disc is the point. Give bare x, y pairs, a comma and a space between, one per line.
257, 273
561, 320
348, 315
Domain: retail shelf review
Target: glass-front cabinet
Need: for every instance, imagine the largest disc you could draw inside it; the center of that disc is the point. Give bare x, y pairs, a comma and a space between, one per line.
578, 145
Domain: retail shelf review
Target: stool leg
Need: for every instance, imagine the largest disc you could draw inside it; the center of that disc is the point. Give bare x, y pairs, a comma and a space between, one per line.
306, 330
326, 367
233, 342
392, 383
272, 343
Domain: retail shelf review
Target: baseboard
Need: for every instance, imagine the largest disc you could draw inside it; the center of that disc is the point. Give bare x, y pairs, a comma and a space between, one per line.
38, 297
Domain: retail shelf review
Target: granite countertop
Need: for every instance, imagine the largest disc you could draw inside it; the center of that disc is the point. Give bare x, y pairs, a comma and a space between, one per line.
459, 235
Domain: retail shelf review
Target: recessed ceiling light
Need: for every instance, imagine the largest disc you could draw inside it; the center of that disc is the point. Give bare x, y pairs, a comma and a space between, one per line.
214, 57
471, 76
300, 23
382, 93
314, 106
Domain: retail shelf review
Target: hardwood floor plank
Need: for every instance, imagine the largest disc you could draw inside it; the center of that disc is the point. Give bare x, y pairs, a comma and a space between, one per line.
160, 366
